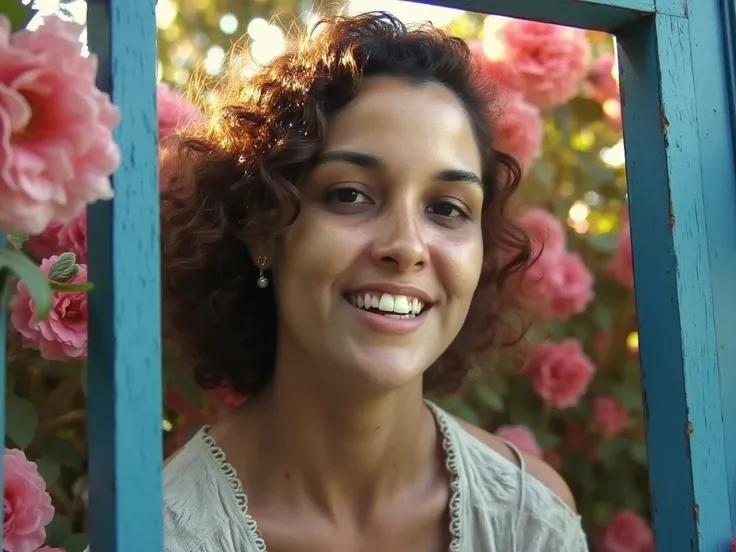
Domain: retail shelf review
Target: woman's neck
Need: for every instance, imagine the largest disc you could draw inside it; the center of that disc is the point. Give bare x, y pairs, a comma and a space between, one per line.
338, 452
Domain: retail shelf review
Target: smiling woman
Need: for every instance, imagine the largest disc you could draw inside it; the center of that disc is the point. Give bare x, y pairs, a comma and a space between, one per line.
336, 243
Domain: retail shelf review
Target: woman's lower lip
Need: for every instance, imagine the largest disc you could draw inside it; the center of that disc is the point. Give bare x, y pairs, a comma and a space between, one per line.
388, 324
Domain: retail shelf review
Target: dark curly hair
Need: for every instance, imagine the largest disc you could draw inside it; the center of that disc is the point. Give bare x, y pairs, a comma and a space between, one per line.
236, 181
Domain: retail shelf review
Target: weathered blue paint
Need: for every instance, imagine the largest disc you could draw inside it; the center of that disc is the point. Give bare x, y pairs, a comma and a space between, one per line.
680, 333
717, 45
3, 367
673, 7
602, 15
125, 436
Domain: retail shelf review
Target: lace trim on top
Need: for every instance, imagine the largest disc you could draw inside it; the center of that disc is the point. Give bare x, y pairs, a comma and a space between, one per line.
231, 475
236, 485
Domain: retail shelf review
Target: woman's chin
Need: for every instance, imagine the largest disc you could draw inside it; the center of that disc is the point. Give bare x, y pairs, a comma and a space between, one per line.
383, 371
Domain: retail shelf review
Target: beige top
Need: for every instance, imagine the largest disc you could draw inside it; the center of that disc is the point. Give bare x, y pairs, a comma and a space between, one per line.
495, 505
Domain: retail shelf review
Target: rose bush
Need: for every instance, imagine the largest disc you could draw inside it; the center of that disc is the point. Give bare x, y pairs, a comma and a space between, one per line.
572, 397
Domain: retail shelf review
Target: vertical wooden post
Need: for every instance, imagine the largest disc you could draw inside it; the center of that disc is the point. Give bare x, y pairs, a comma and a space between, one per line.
125, 436
665, 128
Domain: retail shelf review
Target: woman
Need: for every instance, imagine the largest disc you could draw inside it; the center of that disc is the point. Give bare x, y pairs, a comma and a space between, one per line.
336, 244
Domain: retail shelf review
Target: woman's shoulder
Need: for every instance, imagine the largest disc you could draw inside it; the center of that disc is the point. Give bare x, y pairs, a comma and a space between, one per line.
198, 502
508, 490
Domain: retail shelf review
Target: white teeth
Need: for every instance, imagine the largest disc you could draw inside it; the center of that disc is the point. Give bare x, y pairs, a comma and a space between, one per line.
399, 306
387, 303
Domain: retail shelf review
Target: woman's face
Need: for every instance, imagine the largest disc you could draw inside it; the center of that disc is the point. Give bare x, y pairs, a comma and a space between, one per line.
375, 278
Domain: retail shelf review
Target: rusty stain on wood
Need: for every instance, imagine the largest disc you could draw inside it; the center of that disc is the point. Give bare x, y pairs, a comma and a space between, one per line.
671, 214
689, 429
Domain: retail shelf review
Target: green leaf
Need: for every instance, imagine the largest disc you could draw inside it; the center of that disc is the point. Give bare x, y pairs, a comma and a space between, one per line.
49, 469
76, 542
58, 530
21, 422
85, 287
603, 318
19, 14
30, 274
60, 450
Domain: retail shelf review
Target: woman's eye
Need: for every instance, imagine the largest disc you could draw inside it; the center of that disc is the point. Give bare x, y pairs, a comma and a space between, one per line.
347, 195
446, 209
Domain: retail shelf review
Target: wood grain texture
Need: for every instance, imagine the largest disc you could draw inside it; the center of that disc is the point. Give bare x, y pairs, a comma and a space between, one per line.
714, 46
125, 436
603, 15
680, 331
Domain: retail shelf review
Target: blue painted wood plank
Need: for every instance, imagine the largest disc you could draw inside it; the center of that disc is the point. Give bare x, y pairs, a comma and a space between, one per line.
675, 301
714, 41
602, 15
673, 7
3, 368
125, 435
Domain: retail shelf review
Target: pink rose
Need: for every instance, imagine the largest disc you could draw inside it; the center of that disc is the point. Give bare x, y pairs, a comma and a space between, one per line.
519, 128
56, 146
27, 506
545, 230
552, 60
174, 111
626, 532
560, 372
63, 335
522, 437
610, 416
621, 267
558, 284
73, 237
602, 83
44, 245
503, 75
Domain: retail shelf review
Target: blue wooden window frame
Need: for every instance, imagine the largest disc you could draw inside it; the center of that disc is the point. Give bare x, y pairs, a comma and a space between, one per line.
678, 75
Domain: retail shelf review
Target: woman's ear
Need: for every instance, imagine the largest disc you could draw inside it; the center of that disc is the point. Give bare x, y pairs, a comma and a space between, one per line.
262, 254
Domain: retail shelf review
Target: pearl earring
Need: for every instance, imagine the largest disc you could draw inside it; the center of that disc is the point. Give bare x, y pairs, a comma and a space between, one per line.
262, 280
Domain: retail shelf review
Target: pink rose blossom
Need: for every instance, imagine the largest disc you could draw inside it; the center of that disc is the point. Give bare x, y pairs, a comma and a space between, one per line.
621, 267
627, 531
63, 335
44, 245
558, 284
174, 111
602, 83
27, 506
610, 416
545, 230
522, 437
73, 237
552, 60
519, 128
503, 75
560, 372
56, 145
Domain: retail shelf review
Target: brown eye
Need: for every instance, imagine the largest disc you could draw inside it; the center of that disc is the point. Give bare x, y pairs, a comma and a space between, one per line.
346, 195
446, 209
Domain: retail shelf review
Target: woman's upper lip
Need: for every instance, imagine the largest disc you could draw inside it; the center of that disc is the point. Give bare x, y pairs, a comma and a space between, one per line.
393, 289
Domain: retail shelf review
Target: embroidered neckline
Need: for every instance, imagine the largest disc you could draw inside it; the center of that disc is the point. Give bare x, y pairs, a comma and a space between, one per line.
448, 445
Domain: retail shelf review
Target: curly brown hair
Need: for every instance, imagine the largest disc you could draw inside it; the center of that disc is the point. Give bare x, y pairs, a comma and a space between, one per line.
236, 182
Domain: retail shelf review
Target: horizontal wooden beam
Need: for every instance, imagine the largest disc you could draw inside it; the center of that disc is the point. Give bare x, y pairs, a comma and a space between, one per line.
602, 15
